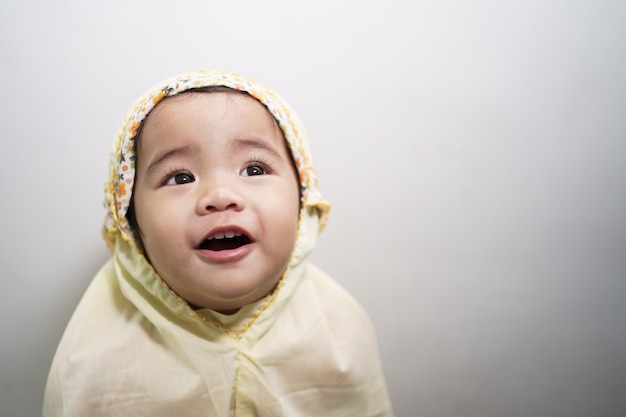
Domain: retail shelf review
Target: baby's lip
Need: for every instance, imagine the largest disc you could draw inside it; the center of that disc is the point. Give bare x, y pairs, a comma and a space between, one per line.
225, 238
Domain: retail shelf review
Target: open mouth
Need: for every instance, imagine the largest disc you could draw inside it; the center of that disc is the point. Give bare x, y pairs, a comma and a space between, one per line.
227, 240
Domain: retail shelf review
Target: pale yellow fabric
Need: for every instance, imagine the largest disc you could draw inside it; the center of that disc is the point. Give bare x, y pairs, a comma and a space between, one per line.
134, 348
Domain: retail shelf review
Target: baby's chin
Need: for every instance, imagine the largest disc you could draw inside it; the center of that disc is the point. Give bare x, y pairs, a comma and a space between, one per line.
234, 305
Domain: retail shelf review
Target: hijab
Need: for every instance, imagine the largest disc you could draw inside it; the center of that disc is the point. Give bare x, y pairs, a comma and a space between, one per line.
134, 347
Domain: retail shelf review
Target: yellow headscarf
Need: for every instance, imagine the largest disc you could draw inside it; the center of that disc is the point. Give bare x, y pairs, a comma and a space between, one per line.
135, 348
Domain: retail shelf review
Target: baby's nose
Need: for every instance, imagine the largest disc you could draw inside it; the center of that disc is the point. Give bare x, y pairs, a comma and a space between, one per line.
219, 198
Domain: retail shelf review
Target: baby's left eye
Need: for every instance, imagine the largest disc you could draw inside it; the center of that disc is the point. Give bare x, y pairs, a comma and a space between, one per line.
252, 170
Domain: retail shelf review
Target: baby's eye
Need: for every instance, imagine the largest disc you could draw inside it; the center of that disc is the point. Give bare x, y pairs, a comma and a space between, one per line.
181, 178
255, 169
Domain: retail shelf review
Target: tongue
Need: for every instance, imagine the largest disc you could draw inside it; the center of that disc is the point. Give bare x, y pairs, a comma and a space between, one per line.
224, 244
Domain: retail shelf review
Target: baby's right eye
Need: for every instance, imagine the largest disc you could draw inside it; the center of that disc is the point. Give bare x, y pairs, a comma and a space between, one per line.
180, 178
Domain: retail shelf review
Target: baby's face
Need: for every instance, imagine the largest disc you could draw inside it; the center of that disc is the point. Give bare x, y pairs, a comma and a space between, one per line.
216, 198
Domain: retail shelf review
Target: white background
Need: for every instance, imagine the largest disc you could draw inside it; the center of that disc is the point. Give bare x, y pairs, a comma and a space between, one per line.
474, 153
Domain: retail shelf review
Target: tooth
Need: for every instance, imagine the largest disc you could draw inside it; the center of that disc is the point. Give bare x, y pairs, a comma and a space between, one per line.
219, 235
237, 233
229, 234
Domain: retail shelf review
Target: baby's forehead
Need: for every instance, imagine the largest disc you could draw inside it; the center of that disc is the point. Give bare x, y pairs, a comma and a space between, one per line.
192, 103
233, 98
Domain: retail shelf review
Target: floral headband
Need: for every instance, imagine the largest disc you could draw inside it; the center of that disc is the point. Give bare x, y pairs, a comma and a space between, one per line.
118, 190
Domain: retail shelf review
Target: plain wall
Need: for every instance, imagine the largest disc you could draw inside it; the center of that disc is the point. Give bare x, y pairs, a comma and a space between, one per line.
474, 153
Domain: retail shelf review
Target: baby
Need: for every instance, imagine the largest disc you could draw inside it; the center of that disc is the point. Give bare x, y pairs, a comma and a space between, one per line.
209, 305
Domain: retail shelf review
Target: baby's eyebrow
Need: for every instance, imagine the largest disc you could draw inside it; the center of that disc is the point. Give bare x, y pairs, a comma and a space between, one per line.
238, 144
162, 157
